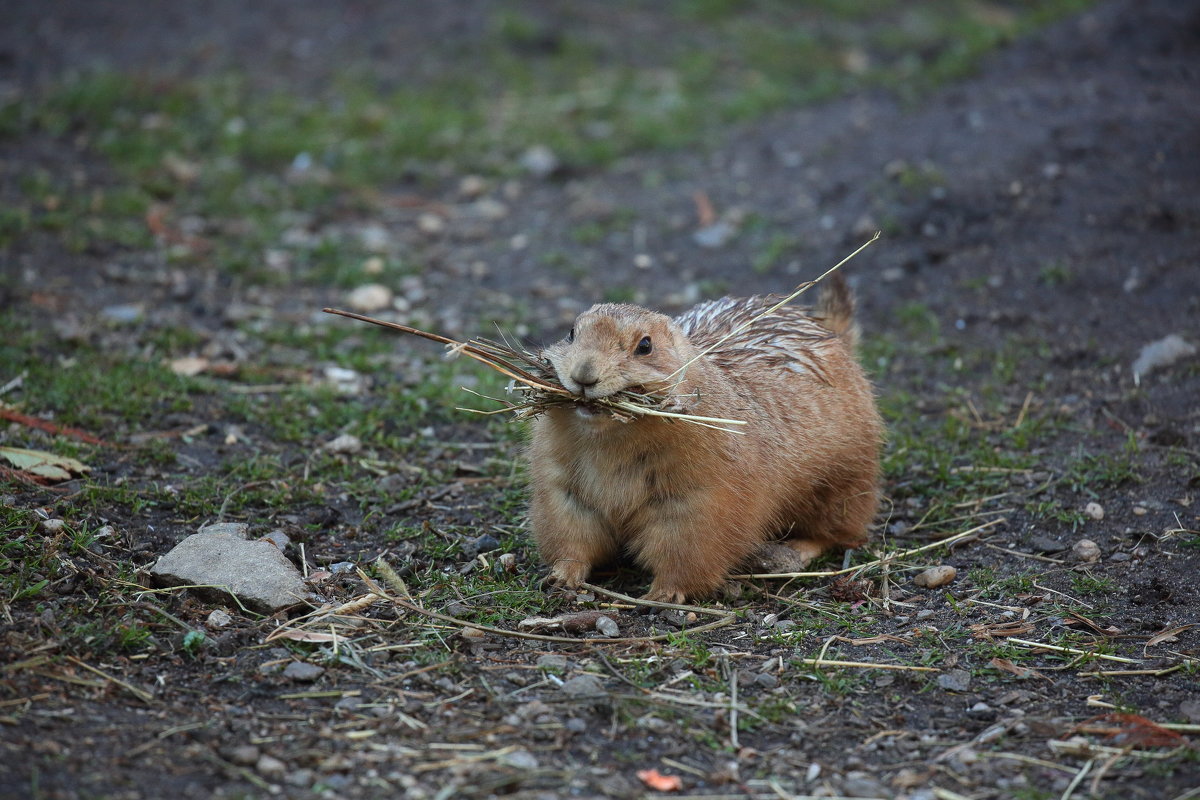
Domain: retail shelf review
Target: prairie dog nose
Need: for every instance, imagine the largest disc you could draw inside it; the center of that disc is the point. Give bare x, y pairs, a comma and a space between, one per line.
584, 374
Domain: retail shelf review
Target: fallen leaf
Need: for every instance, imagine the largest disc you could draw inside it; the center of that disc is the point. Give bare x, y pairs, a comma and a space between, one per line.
1168, 635
659, 782
42, 464
1021, 672
1131, 730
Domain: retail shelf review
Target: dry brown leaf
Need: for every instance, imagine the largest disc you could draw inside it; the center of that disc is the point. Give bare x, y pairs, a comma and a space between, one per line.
1021, 672
1131, 730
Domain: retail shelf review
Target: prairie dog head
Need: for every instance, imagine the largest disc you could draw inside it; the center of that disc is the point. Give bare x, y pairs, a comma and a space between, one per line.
617, 346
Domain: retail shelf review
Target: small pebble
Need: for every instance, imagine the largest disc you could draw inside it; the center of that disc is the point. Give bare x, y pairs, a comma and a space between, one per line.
540, 161
368, 298
507, 562
244, 755
303, 671
955, 680
552, 661
431, 224
766, 680
269, 766
471, 186
346, 444
936, 576
607, 627
1085, 550
53, 525
1094, 511
483, 544
218, 618
583, 686
277, 538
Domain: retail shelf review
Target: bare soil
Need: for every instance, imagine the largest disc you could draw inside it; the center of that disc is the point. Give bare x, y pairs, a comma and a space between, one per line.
1044, 213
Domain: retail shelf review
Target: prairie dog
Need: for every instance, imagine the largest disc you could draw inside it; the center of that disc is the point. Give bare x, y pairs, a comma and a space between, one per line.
690, 503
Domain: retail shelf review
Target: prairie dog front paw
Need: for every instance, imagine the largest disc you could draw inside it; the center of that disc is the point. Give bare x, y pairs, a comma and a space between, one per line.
567, 573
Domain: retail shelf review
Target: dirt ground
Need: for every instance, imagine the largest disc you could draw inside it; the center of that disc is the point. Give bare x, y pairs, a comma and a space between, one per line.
1041, 225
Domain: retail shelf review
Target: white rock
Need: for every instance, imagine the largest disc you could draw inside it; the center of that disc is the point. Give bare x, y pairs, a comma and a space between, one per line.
369, 297
53, 525
1094, 511
1164, 352
345, 444
540, 161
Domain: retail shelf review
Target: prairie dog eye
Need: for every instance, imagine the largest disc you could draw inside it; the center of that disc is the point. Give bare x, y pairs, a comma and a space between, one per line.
643, 347
571, 335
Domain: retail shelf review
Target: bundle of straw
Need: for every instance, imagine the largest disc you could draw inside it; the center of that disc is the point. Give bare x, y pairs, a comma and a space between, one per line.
537, 387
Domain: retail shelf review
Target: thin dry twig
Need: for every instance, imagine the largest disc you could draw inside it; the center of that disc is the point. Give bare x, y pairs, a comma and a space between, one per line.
377, 592
890, 557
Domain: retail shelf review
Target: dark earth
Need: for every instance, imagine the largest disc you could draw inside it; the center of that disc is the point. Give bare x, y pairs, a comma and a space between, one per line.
1041, 225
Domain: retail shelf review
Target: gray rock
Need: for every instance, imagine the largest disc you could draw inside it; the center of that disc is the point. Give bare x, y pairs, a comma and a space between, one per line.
955, 680
484, 544
766, 680
1044, 544
607, 627
278, 538
219, 558
218, 618
303, 671
584, 686
552, 661
244, 755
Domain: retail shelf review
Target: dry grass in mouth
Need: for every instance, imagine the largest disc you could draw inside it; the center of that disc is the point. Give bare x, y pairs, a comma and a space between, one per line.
537, 389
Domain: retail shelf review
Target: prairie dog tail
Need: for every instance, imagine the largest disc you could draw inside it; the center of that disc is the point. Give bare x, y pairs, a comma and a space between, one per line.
835, 309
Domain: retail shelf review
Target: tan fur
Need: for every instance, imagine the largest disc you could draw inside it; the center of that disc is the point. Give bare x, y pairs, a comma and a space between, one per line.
691, 503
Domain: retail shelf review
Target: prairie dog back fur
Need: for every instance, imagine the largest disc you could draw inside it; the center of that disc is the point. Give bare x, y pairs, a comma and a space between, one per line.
690, 503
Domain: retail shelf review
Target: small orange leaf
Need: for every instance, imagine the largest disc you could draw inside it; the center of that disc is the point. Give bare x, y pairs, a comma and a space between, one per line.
659, 782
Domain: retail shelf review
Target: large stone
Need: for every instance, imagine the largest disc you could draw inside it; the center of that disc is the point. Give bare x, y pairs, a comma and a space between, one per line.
219, 558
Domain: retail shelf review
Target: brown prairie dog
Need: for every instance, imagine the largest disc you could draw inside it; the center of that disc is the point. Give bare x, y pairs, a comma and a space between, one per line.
690, 503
